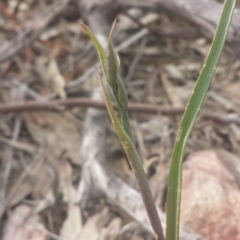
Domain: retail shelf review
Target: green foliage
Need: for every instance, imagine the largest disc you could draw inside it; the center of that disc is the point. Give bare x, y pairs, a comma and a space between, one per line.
110, 66
189, 117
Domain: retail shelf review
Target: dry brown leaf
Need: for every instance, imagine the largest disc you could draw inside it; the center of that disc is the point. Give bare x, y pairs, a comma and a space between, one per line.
178, 95
174, 72
72, 226
36, 179
49, 200
65, 181
56, 78
125, 23
231, 90
171, 91
112, 230
156, 128
65, 175
184, 92
149, 17
210, 196
94, 225
201, 46
56, 132
23, 225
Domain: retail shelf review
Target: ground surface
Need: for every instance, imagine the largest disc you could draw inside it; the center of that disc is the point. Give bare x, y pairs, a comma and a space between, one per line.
40, 164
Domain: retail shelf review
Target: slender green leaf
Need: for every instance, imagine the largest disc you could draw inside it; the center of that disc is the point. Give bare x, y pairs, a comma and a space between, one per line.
98, 46
191, 112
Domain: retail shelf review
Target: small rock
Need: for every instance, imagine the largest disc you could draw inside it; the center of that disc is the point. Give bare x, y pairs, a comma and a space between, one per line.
210, 202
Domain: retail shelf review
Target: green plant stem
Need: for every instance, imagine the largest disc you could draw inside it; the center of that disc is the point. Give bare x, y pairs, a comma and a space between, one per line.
124, 132
191, 112
144, 189
137, 167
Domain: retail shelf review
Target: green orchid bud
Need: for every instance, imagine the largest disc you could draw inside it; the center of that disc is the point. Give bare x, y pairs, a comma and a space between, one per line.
112, 63
114, 80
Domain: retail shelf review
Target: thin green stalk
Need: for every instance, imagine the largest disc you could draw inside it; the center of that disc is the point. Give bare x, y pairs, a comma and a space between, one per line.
137, 167
110, 65
191, 112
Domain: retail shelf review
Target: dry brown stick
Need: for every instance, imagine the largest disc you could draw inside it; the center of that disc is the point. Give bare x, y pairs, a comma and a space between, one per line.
85, 103
133, 107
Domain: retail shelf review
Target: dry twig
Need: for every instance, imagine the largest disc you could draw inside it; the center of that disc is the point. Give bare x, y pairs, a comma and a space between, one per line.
132, 107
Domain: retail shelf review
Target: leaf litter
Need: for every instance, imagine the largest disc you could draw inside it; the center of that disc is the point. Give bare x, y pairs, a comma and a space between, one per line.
47, 166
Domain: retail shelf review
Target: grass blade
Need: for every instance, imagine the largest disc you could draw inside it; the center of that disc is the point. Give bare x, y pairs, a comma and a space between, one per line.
98, 46
191, 112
